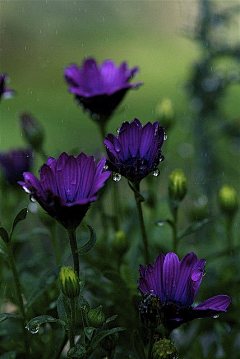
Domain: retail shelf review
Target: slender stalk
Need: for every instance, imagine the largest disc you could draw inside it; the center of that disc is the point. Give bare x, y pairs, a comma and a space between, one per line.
175, 229
73, 245
71, 331
18, 292
151, 342
138, 200
229, 222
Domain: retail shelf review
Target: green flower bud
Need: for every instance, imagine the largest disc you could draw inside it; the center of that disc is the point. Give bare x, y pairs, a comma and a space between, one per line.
120, 242
164, 349
32, 130
69, 282
96, 317
228, 201
177, 185
165, 113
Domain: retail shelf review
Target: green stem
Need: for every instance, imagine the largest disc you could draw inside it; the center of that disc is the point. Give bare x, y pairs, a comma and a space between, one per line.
73, 245
151, 342
175, 229
71, 331
138, 200
229, 221
18, 292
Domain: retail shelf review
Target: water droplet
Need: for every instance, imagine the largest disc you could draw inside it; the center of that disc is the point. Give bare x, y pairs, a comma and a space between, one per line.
118, 130
165, 137
156, 173
105, 167
116, 177
32, 199
161, 158
33, 329
160, 223
216, 316
26, 190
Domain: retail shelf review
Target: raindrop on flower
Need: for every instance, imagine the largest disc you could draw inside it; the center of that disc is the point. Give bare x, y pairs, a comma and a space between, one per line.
216, 316
116, 177
118, 130
105, 167
165, 137
156, 173
26, 189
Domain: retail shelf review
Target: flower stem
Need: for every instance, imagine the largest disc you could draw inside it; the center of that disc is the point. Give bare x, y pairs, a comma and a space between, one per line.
174, 228
138, 200
151, 342
71, 331
73, 245
18, 292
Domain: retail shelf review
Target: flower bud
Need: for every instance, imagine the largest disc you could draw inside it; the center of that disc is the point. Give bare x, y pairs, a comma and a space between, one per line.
165, 113
32, 130
177, 185
96, 317
120, 242
69, 282
164, 349
228, 201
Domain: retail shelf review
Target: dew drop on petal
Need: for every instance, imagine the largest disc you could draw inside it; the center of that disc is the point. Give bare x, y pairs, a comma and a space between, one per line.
105, 167
116, 177
156, 173
216, 316
118, 130
165, 137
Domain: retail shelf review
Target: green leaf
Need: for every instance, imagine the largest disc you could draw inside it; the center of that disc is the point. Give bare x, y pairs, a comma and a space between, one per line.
34, 324
102, 334
110, 319
9, 355
63, 308
76, 352
88, 331
19, 217
194, 227
3, 253
138, 345
90, 244
5, 316
45, 282
4, 234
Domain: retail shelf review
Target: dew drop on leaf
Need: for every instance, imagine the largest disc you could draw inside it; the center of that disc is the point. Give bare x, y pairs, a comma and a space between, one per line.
116, 177
156, 173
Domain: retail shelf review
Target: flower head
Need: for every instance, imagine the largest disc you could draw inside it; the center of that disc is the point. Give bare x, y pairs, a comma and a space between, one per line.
99, 89
69, 282
175, 284
136, 151
67, 187
5, 91
14, 163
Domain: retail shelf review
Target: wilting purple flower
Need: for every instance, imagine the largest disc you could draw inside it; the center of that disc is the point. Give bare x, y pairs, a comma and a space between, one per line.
67, 187
136, 151
14, 163
99, 89
5, 91
172, 285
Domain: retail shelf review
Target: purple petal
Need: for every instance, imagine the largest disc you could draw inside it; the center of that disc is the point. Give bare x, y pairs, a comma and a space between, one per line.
217, 303
171, 271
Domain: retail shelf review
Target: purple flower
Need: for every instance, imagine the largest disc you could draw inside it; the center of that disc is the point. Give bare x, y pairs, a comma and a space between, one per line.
67, 187
136, 151
5, 91
99, 89
14, 163
172, 286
